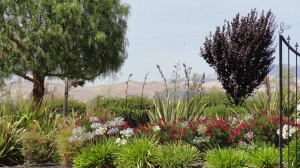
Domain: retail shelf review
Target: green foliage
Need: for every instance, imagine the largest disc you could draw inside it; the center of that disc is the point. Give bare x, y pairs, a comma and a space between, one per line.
137, 153
10, 145
134, 111
266, 156
18, 116
290, 152
100, 155
241, 53
75, 39
176, 155
213, 97
270, 102
181, 110
226, 158
222, 111
56, 106
66, 150
38, 148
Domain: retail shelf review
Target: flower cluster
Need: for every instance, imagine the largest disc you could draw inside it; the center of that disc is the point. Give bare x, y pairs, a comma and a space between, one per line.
95, 127
287, 131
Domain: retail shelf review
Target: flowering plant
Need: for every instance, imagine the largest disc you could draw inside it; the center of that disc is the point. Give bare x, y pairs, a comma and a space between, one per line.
91, 129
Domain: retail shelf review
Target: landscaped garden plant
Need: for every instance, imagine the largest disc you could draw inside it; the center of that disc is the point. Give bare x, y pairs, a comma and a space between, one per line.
241, 53
176, 154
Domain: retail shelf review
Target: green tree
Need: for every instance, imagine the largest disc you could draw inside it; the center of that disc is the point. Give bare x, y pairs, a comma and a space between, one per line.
241, 53
78, 39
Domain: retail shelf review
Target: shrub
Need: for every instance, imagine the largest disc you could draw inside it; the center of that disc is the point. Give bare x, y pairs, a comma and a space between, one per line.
93, 129
66, 149
56, 106
133, 110
218, 131
214, 97
38, 148
176, 155
258, 127
226, 158
290, 152
266, 156
99, 155
136, 153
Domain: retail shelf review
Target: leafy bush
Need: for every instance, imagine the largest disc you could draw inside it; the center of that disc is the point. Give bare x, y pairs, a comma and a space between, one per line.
38, 148
214, 97
56, 106
266, 156
226, 158
258, 127
136, 153
66, 149
93, 129
176, 155
100, 155
218, 131
132, 109
290, 153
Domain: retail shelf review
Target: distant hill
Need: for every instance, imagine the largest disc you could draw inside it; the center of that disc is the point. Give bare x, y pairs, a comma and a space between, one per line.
275, 71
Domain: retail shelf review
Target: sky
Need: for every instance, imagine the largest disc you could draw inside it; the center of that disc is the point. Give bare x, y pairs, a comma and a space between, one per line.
166, 32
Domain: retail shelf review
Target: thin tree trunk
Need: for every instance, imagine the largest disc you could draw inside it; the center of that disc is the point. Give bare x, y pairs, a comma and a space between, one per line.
38, 89
65, 110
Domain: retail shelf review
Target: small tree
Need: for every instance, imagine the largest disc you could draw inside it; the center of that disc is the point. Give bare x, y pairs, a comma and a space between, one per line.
78, 40
241, 53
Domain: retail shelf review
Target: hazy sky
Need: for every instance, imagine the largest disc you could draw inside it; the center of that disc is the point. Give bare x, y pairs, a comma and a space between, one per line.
164, 32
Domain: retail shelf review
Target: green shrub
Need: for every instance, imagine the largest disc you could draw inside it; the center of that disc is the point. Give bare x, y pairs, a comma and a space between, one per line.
134, 111
100, 155
176, 155
66, 149
214, 97
137, 153
225, 158
10, 146
266, 156
289, 154
38, 148
56, 106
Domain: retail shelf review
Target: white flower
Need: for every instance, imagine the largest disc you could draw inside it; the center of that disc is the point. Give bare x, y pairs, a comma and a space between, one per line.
248, 117
184, 124
298, 107
78, 130
156, 128
100, 131
297, 121
93, 119
198, 140
249, 135
96, 125
287, 131
118, 121
120, 141
127, 133
113, 131
201, 129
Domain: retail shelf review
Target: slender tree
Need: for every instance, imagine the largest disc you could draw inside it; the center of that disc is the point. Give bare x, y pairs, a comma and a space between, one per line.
241, 53
77, 39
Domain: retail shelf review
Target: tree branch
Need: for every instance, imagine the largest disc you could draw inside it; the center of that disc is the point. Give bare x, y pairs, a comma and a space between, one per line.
27, 77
